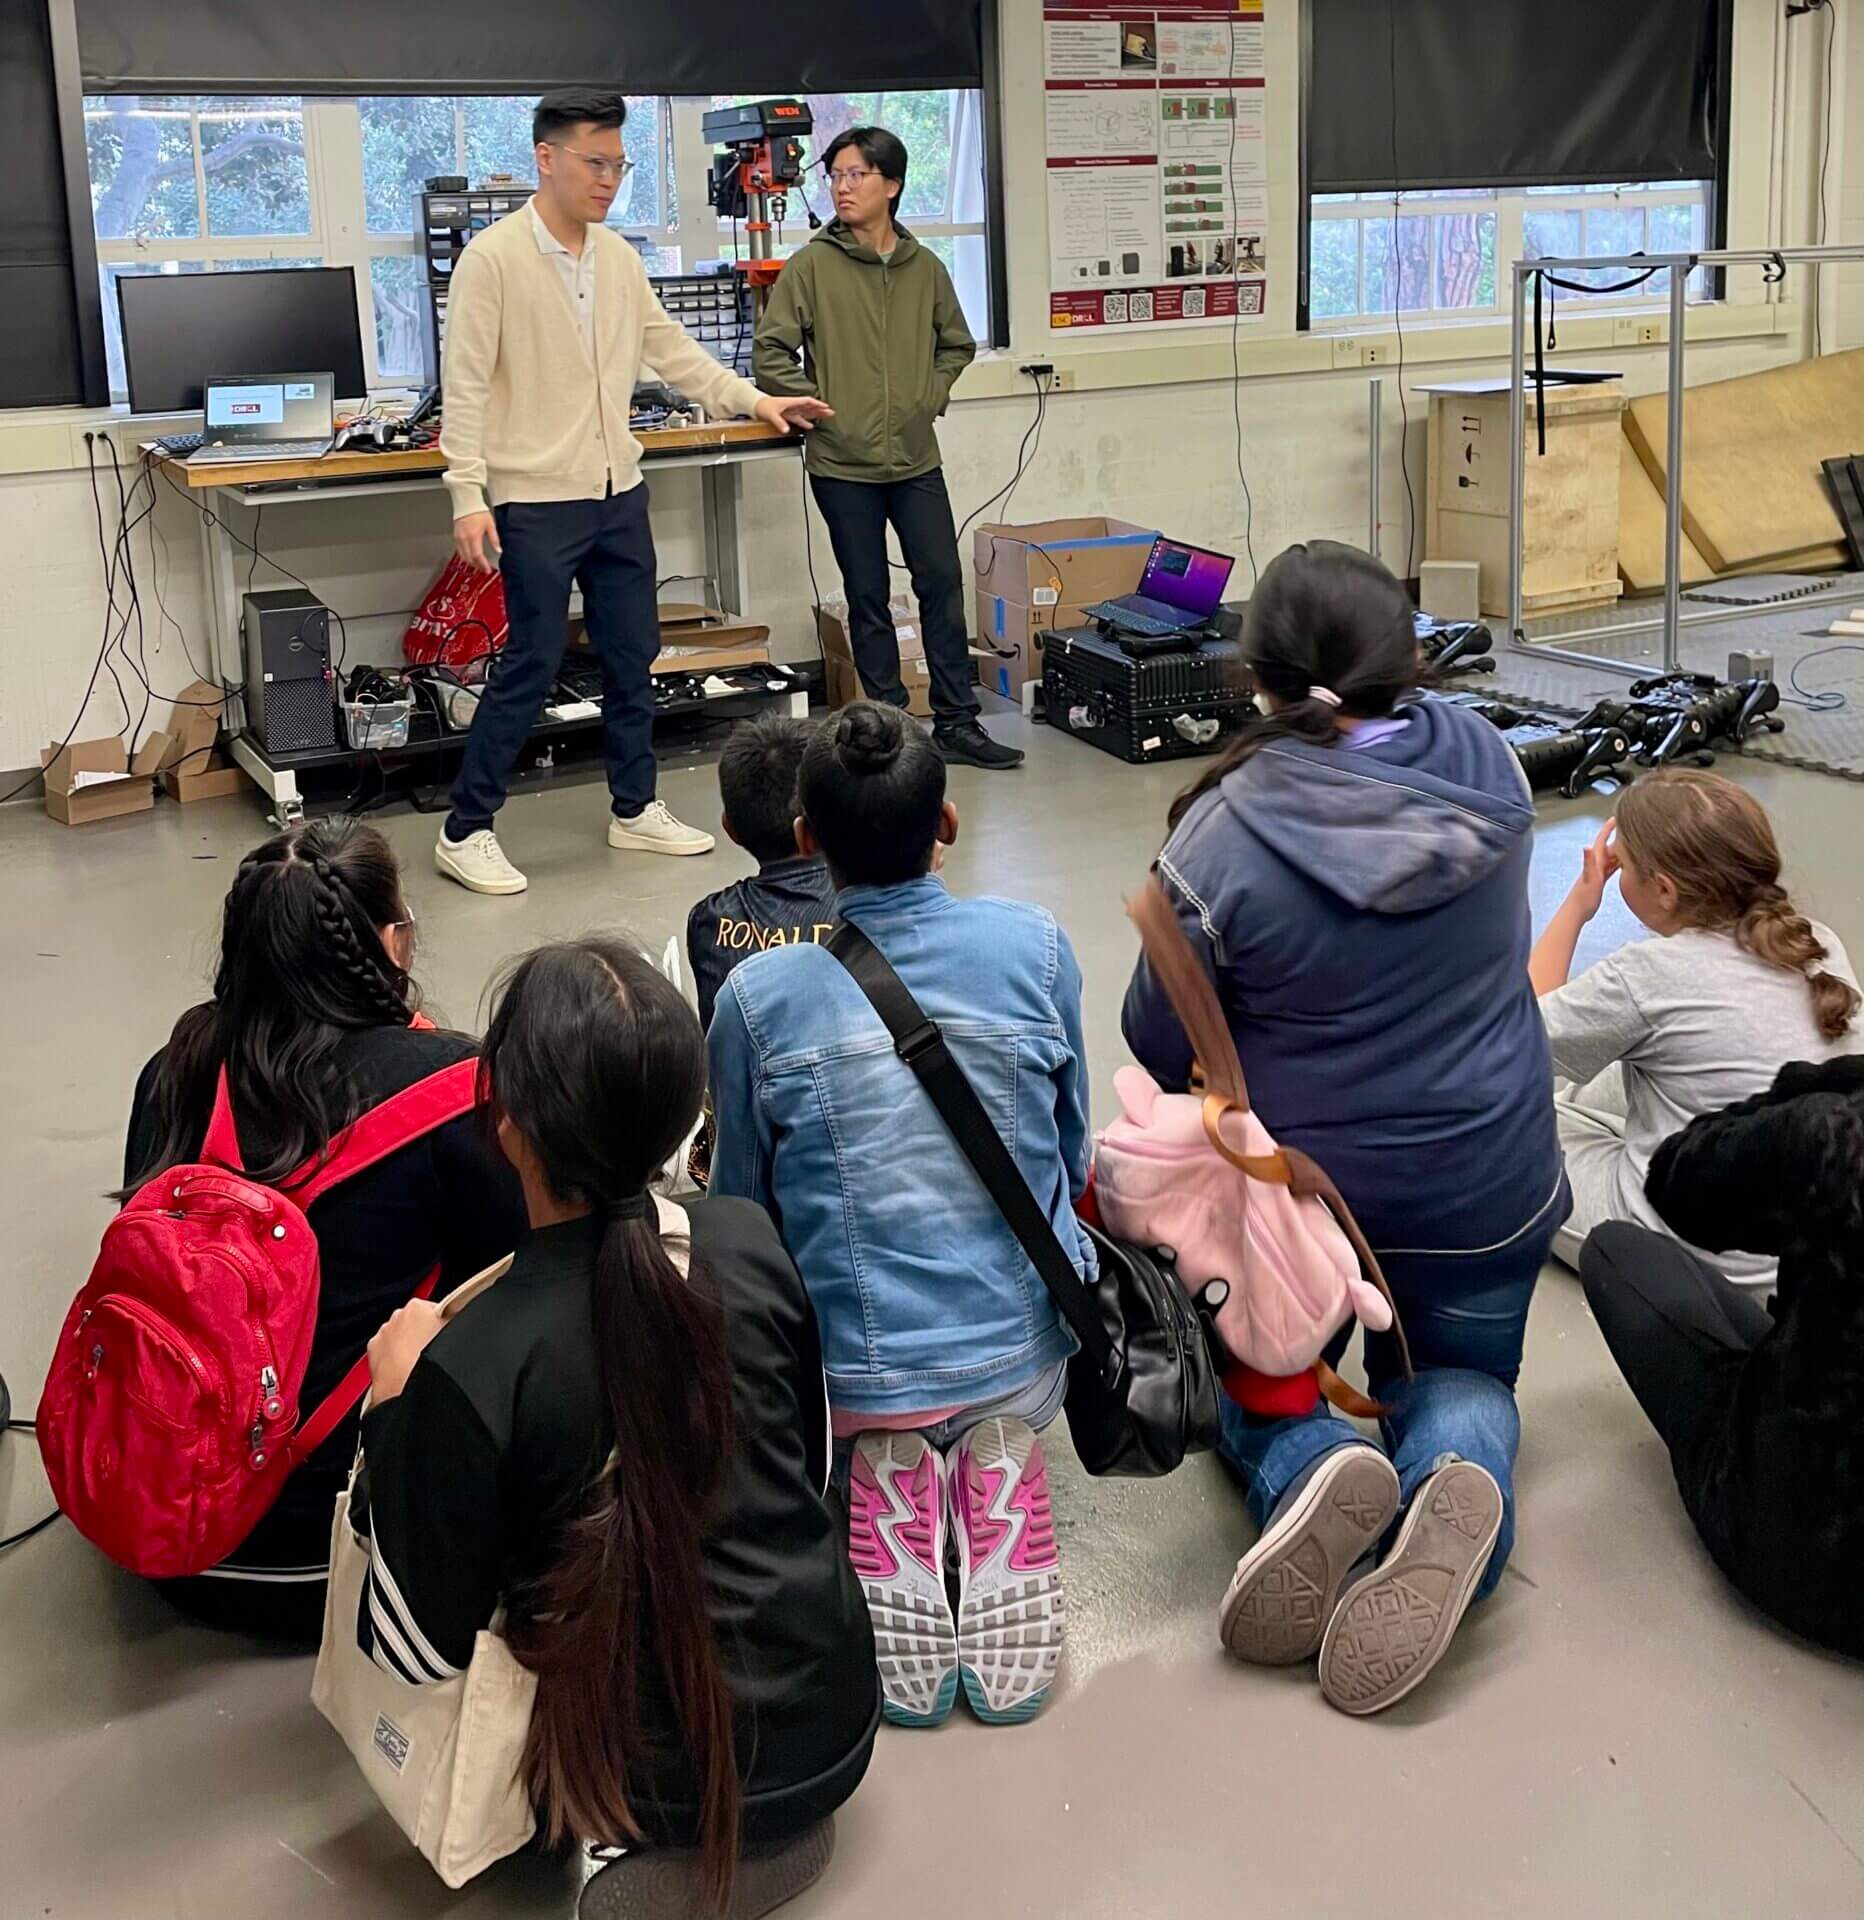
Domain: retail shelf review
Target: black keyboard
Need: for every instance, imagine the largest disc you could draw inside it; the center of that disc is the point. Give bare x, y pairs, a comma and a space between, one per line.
180, 445
1118, 616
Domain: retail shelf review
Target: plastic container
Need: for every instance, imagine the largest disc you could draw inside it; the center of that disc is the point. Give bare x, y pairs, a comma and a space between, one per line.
376, 726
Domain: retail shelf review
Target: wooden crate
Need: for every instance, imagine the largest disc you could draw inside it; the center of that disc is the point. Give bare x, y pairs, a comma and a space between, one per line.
1569, 545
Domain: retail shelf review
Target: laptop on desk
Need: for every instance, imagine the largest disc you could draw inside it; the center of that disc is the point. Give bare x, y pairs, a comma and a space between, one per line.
268, 416
1179, 591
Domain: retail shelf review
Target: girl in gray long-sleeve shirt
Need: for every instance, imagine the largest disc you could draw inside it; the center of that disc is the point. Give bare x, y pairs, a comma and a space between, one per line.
1737, 984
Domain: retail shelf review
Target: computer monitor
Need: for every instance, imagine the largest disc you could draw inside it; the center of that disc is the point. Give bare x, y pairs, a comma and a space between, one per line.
1191, 579
181, 330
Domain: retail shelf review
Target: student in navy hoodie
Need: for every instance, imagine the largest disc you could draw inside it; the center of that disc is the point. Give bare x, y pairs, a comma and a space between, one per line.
1354, 871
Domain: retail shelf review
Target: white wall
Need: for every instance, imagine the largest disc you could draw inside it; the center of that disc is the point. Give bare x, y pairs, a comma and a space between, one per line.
1845, 189
1147, 435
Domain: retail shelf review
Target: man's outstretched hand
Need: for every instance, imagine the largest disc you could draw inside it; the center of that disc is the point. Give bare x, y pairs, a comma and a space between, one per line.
794, 414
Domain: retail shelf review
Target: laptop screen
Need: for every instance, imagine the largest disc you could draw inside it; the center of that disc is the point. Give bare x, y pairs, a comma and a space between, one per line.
284, 406
1188, 578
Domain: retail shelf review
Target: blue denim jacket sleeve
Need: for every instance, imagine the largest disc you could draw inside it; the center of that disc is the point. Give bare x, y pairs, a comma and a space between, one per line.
1071, 1115
740, 1153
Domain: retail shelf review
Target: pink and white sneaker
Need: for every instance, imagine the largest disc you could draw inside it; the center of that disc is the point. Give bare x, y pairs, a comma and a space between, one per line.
896, 1540
1010, 1614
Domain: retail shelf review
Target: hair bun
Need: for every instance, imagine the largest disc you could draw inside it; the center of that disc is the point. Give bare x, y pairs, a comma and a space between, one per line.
869, 738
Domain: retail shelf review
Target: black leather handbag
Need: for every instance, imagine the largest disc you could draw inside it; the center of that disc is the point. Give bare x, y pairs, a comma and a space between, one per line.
1143, 1389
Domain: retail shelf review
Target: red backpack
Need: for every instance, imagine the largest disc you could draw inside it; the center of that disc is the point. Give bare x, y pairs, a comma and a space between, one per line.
169, 1419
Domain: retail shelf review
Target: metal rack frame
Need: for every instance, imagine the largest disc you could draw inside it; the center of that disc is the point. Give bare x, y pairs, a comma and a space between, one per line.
1673, 618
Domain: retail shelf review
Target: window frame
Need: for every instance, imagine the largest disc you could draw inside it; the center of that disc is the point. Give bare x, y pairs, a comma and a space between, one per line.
1510, 207
339, 212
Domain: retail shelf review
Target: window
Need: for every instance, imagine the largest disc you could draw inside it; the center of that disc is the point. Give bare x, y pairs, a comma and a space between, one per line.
1443, 254
943, 202
406, 141
185, 186
192, 185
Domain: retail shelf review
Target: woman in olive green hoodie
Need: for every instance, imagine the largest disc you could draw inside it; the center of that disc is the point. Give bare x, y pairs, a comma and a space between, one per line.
882, 338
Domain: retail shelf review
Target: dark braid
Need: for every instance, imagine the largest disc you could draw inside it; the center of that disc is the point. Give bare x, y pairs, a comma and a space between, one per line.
302, 966
380, 981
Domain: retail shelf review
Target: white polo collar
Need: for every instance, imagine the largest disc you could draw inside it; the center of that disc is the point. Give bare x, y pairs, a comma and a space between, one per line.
547, 242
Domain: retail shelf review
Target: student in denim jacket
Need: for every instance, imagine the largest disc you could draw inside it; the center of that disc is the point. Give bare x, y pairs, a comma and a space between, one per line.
945, 1354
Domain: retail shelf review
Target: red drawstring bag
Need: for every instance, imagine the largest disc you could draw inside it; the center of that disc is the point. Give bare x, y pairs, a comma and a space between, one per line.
460, 623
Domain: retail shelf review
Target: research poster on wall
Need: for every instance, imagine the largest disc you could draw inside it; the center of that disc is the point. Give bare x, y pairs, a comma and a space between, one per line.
1157, 163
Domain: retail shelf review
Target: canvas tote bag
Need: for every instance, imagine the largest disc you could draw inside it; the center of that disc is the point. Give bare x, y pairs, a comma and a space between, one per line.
443, 1759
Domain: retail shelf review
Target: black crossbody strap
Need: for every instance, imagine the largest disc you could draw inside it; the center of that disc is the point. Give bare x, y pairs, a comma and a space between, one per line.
919, 1042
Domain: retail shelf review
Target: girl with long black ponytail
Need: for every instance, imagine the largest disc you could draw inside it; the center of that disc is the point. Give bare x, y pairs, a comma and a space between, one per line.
623, 1445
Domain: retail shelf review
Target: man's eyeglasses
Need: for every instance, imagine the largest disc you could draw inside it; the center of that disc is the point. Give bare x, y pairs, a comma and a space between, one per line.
851, 177
602, 168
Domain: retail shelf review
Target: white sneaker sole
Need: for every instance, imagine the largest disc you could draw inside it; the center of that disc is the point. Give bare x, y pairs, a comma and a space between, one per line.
1011, 1625
915, 1634
625, 842
473, 883
1287, 1585
1392, 1627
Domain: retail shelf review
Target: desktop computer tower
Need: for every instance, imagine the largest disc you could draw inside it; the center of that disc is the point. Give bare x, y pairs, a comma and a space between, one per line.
290, 692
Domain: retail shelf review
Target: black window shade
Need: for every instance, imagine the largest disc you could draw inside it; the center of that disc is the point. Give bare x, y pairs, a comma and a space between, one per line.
51, 333
496, 46
1502, 93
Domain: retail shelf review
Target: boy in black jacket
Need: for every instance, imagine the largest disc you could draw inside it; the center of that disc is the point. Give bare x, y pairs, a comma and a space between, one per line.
790, 898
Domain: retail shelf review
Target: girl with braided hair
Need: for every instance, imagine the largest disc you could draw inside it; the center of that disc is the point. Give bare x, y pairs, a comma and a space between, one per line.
312, 1016
1737, 983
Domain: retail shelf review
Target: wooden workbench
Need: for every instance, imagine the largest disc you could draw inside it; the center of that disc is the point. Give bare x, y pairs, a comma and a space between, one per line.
715, 452
655, 441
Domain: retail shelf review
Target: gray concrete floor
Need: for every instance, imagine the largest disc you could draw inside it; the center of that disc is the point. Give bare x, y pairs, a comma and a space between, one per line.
1614, 1734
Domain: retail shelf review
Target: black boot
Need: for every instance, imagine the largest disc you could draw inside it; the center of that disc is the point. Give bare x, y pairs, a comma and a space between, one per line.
966, 741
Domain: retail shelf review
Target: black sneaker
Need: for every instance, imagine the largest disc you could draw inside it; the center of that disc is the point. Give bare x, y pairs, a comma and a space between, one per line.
965, 740
650, 1885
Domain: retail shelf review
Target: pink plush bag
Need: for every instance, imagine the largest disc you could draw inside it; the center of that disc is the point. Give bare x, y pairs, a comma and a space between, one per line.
1200, 1174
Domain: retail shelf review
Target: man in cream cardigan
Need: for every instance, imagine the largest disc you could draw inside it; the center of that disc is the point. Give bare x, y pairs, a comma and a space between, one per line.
550, 321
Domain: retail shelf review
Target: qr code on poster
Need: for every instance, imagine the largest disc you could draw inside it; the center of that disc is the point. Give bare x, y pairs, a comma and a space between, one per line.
1113, 309
1141, 304
1194, 303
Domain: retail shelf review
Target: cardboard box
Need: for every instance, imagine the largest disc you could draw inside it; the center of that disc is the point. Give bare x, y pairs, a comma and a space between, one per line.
698, 640
842, 683
96, 780
189, 762
1043, 576
212, 778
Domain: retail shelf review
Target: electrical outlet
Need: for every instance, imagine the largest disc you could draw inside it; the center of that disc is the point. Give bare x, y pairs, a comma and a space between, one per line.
1374, 353
1350, 350
1633, 332
1051, 378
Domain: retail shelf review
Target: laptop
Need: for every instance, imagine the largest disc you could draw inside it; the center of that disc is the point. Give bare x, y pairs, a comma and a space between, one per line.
267, 416
1179, 591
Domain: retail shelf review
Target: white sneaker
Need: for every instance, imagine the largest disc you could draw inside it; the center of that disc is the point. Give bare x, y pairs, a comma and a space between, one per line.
655, 830
478, 863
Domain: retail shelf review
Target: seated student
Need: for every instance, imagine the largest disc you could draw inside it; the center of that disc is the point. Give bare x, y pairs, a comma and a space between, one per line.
623, 1443
1761, 1408
1353, 869
939, 1333
1737, 983
310, 1016
790, 898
